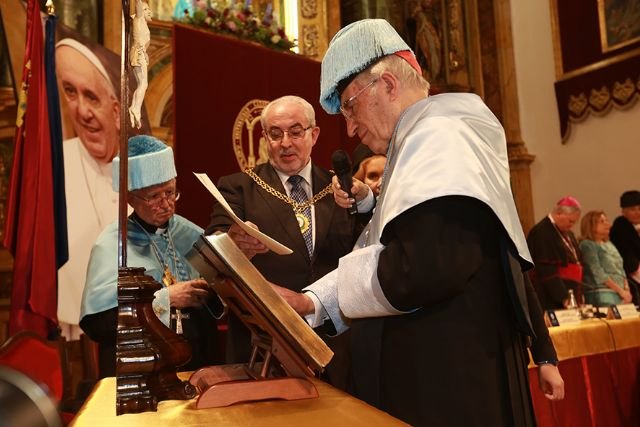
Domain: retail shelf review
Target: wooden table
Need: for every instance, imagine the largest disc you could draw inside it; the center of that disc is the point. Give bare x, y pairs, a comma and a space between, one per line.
332, 407
600, 364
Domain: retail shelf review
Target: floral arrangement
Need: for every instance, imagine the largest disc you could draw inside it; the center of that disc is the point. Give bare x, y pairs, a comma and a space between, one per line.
236, 18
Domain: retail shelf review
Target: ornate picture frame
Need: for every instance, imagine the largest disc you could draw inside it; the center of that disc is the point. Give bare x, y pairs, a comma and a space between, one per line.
597, 55
619, 23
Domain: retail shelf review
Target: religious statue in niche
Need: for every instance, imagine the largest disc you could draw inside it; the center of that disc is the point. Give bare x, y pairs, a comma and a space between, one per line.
424, 31
139, 59
436, 31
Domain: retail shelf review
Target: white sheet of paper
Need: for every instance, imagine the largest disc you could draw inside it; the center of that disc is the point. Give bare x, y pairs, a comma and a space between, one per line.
270, 243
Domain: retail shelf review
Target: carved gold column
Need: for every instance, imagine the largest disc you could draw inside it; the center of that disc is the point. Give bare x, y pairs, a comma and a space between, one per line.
319, 20
112, 10
519, 158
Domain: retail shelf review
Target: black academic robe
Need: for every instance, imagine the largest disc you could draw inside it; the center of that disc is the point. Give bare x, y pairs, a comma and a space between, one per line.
336, 232
549, 253
460, 358
626, 239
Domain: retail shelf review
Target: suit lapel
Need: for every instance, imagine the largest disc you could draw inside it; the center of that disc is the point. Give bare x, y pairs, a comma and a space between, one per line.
282, 212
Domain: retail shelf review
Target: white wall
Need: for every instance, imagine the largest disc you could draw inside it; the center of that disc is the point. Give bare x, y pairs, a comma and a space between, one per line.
601, 157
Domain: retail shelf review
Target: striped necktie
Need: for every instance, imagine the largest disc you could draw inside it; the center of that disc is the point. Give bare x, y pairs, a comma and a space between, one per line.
304, 218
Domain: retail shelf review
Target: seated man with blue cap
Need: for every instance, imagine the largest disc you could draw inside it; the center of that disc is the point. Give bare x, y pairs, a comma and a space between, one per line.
158, 240
434, 293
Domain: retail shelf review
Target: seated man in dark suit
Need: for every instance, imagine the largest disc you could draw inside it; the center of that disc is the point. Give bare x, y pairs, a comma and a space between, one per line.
289, 199
625, 236
556, 255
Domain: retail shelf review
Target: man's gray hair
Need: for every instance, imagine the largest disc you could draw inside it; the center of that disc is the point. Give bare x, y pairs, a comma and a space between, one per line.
399, 68
309, 112
560, 209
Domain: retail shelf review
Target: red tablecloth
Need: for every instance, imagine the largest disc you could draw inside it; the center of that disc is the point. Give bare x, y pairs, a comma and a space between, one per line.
602, 385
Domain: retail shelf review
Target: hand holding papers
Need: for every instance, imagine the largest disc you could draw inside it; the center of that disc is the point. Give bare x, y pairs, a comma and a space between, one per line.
270, 243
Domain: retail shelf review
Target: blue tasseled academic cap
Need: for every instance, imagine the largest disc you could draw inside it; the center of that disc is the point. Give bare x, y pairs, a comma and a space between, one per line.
150, 163
352, 50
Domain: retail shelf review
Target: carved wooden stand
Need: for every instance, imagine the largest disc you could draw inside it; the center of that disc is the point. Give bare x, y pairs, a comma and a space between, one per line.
148, 353
285, 350
257, 380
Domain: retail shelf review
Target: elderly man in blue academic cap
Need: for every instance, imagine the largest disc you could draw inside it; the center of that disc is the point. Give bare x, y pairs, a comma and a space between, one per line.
158, 240
434, 293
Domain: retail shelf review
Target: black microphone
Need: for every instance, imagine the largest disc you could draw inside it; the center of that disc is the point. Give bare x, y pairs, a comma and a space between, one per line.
342, 167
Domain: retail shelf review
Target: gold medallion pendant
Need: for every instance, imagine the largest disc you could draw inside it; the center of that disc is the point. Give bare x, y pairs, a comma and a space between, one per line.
303, 222
168, 278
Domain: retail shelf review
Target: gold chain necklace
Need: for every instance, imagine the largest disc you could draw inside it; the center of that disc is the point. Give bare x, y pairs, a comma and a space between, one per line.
297, 206
168, 277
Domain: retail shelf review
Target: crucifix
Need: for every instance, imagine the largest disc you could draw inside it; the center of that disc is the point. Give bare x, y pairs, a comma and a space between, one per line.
178, 316
139, 59
140, 385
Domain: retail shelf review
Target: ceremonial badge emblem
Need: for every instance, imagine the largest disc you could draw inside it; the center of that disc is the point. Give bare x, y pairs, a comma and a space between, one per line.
246, 131
303, 222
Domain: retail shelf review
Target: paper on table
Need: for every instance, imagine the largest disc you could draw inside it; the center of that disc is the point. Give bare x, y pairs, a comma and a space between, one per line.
270, 243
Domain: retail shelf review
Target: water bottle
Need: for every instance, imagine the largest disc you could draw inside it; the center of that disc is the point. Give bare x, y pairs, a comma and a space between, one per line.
573, 304
572, 300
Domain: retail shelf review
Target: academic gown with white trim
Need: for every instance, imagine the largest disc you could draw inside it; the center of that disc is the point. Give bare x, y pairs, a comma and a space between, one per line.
439, 319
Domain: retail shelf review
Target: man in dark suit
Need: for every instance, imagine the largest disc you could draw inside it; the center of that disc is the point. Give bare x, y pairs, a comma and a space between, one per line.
625, 236
556, 255
288, 199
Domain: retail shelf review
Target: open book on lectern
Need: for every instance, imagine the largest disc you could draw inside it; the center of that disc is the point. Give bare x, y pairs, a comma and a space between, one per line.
276, 328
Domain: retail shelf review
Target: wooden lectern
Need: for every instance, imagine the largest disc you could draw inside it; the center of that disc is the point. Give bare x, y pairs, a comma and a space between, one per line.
148, 353
285, 350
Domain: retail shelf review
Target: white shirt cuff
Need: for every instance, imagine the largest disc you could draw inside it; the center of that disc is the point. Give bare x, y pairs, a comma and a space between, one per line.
365, 205
161, 305
319, 314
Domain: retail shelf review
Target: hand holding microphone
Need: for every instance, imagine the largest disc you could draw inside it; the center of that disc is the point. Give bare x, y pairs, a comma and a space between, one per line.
342, 168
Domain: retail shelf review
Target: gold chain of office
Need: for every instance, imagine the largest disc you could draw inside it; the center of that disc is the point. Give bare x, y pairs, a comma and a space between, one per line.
297, 206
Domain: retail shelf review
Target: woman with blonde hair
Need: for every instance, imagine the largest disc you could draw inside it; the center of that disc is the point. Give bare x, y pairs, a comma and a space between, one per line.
605, 281
370, 172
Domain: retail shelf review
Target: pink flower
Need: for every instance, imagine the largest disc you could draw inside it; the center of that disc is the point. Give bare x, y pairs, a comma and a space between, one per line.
232, 26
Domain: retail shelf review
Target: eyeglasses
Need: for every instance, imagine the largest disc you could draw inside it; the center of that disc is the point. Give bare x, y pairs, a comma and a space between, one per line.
347, 106
295, 132
155, 200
